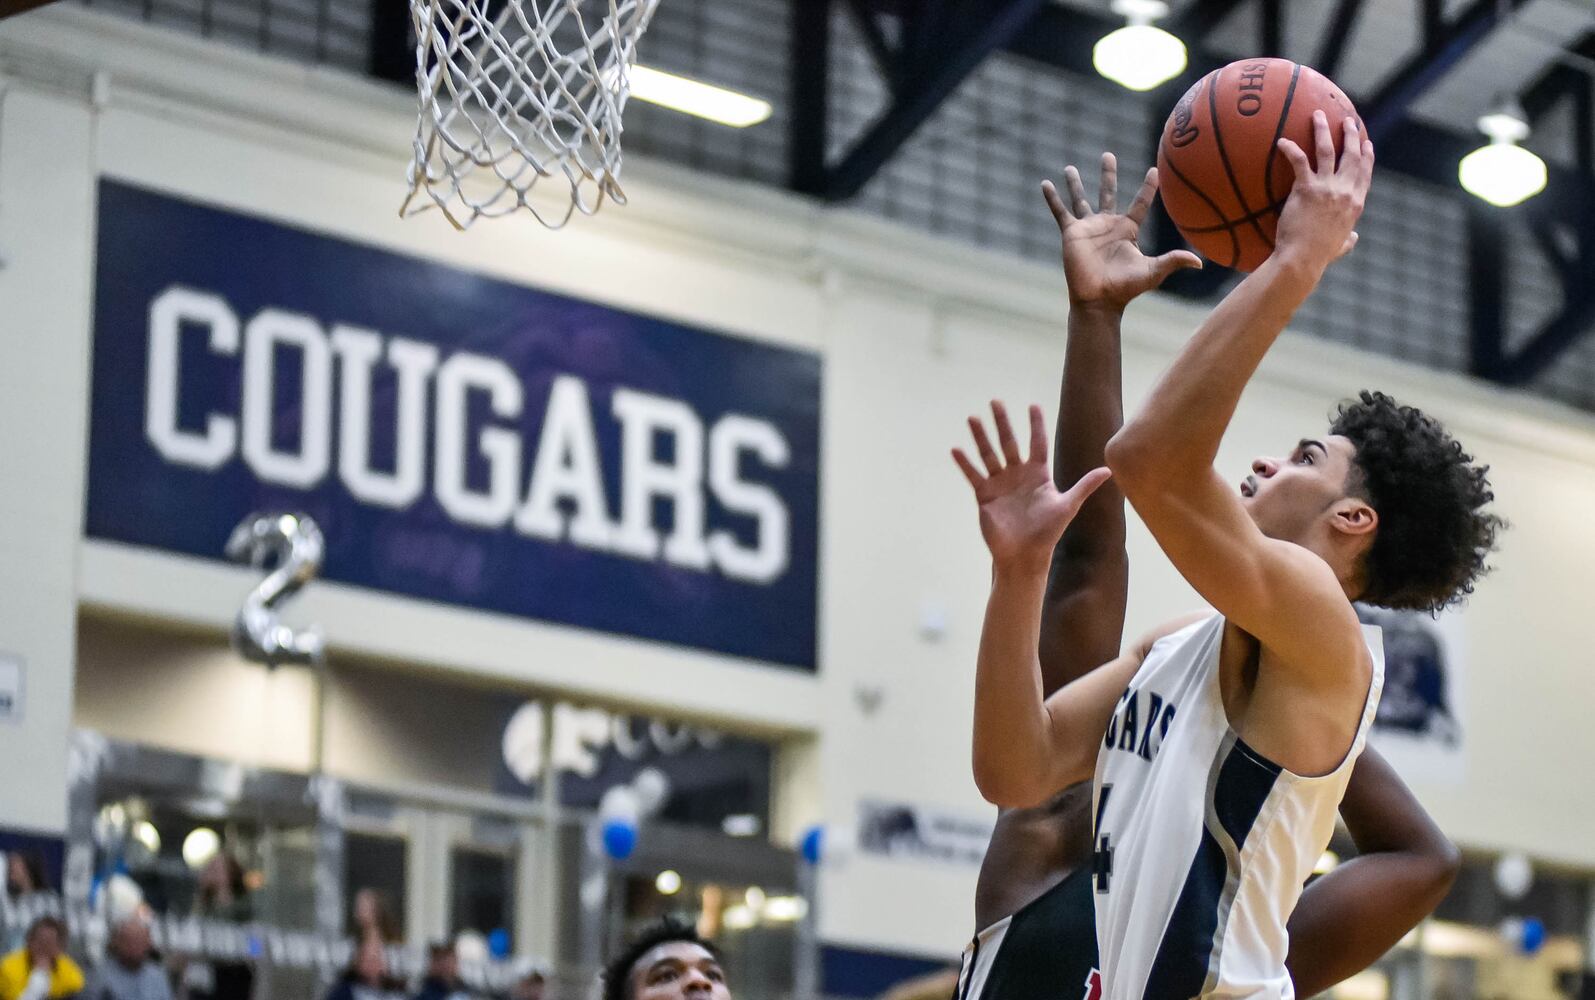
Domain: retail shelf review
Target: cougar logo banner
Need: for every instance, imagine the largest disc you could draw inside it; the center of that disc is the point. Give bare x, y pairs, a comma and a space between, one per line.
458, 439
1419, 726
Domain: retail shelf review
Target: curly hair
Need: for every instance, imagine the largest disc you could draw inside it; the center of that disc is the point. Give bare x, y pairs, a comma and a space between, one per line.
1433, 535
617, 974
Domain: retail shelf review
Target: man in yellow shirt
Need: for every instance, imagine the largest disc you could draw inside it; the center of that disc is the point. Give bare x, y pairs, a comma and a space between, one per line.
40, 969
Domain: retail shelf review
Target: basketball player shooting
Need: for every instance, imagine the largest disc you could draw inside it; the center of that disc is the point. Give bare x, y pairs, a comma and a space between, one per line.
1227, 741
1034, 913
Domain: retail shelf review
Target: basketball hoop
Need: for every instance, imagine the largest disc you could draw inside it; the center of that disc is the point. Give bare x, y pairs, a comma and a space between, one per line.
530, 93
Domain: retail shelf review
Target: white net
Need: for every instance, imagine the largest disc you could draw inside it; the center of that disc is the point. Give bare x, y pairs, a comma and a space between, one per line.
515, 92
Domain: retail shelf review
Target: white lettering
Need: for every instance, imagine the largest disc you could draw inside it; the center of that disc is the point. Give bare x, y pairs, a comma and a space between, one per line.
306, 466
642, 416
578, 734
357, 351
667, 456
567, 467
168, 313
768, 557
501, 446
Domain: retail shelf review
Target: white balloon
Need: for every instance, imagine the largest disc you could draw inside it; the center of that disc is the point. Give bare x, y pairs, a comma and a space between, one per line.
621, 803
1514, 874
593, 892
651, 788
1511, 931
841, 840
470, 947
121, 898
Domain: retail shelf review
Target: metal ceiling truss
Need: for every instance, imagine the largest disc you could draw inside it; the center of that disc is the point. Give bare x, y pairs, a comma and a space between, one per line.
923, 49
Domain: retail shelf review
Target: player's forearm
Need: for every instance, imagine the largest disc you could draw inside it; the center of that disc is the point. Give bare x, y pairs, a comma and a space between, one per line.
1178, 430
1082, 618
1011, 744
1090, 412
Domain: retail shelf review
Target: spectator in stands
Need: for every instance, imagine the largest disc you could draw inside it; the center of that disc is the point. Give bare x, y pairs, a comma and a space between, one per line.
529, 987
26, 894
374, 919
367, 977
223, 895
41, 969
442, 980
130, 971
667, 961
24, 874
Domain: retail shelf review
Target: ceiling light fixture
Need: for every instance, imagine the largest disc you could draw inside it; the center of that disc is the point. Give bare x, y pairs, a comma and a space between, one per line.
1502, 172
694, 97
1139, 55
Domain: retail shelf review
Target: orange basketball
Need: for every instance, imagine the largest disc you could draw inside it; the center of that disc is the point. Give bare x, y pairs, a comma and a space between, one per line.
1220, 172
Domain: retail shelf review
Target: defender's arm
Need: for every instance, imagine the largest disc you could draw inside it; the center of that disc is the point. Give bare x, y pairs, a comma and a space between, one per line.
1350, 917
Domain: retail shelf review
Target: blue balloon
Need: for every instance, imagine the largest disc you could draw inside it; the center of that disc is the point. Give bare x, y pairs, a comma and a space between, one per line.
498, 943
1533, 935
620, 839
813, 844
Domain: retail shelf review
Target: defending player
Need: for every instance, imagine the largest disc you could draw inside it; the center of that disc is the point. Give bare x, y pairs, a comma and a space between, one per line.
1227, 741
1033, 902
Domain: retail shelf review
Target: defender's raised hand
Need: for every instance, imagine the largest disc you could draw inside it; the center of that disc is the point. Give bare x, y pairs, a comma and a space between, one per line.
1022, 514
1102, 258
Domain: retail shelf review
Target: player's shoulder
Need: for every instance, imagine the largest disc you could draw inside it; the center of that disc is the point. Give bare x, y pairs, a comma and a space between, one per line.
1173, 627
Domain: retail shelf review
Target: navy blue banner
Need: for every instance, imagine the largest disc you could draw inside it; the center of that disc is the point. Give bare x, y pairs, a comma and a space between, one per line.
459, 439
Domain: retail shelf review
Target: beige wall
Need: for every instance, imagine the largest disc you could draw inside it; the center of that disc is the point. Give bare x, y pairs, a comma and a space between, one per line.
188, 691
44, 303
915, 334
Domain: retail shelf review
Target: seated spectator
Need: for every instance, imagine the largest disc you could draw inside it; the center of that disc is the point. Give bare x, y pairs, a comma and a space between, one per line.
367, 977
374, 919
40, 969
27, 893
442, 980
24, 874
529, 987
129, 971
668, 961
223, 895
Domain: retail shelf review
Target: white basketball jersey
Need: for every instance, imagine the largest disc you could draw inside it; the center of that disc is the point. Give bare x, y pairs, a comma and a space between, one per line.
1202, 844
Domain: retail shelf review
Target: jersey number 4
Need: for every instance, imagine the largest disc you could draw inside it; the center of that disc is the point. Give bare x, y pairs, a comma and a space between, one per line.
1102, 857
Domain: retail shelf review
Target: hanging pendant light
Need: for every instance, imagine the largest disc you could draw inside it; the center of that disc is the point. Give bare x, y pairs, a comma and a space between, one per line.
1139, 55
1502, 172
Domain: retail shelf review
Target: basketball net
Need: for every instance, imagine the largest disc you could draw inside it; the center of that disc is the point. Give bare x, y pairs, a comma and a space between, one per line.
515, 92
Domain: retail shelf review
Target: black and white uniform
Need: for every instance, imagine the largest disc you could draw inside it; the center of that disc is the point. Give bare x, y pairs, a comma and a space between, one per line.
1045, 951
1202, 844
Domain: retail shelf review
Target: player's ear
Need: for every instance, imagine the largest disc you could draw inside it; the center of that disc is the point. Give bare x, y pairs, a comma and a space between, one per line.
1353, 516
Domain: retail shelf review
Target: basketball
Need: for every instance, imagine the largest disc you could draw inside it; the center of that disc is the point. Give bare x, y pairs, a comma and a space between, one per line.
1220, 172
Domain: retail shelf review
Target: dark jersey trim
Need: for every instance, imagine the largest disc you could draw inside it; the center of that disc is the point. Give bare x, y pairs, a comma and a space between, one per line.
1241, 782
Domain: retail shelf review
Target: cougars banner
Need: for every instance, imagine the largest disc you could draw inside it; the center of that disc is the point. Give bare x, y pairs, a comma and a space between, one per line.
458, 439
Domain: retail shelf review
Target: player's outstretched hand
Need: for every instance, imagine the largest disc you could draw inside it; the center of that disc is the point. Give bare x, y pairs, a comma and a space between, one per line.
1315, 227
1102, 258
1022, 514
